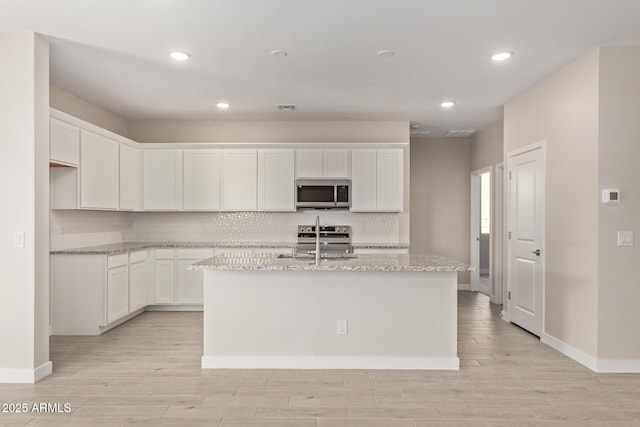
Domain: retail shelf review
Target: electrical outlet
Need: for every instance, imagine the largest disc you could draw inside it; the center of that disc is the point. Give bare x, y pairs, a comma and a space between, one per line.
342, 327
18, 239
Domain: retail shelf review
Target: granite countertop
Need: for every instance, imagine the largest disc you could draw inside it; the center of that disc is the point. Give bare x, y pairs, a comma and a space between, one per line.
364, 262
121, 248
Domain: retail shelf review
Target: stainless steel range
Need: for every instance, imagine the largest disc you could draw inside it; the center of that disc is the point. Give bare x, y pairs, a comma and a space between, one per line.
334, 239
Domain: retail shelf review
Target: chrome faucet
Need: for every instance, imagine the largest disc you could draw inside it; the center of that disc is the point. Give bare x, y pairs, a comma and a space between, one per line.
317, 239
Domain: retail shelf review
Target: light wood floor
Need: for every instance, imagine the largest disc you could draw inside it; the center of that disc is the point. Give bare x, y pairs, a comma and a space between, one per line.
147, 373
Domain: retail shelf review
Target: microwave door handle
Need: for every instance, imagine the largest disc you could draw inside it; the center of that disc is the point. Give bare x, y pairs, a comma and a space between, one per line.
335, 195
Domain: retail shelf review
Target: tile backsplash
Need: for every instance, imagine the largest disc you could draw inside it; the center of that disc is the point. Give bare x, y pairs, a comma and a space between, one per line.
85, 228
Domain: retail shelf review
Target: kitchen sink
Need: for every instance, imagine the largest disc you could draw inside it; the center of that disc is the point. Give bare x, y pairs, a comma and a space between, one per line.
324, 257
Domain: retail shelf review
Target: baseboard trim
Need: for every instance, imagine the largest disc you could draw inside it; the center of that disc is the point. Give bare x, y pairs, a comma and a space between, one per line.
570, 351
464, 286
174, 308
26, 376
329, 362
619, 366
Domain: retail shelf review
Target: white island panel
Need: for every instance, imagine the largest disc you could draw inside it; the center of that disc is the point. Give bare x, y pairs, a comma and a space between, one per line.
288, 319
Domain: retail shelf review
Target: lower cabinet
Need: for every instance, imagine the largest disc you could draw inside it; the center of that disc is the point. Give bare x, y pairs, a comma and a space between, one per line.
138, 280
92, 293
176, 285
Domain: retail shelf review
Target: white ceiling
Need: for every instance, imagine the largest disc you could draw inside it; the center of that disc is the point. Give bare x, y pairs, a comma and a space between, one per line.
114, 53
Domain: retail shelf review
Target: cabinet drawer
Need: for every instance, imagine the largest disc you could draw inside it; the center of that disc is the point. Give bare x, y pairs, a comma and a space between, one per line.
195, 253
164, 253
139, 256
117, 260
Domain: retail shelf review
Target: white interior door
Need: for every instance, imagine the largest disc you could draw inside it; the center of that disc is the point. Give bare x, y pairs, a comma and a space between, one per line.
526, 234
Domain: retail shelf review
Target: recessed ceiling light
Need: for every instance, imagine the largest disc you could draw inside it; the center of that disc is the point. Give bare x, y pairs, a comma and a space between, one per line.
279, 52
386, 53
223, 105
447, 104
501, 56
180, 56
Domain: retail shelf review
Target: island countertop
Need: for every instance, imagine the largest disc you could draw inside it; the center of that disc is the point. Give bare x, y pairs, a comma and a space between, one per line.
360, 262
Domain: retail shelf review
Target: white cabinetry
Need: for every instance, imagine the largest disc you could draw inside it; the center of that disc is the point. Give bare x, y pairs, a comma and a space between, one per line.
201, 179
318, 163
90, 294
165, 276
117, 287
190, 282
130, 178
363, 180
377, 180
162, 180
239, 179
276, 180
99, 172
138, 280
64, 139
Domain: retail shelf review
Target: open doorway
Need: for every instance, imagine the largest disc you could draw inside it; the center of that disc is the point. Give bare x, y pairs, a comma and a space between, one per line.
486, 213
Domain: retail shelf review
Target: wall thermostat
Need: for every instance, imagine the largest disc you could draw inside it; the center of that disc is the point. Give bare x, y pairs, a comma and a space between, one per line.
611, 197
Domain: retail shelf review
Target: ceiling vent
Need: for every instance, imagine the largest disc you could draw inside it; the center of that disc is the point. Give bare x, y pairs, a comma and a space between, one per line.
286, 107
419, 133
459, 133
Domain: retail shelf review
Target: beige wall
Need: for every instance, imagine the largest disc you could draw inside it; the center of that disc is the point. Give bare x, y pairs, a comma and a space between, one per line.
24, 170
71, 104
273, 131
487, 146
563, 111
440, 198
619, 152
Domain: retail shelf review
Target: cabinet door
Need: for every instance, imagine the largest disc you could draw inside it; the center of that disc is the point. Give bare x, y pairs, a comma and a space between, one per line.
64, 140
239, 180
363, 180
162, 179
390, 180
130, 178
137, 286
165, 281
117, 293
99, 172
190, 283
109, 174
309, 163
90, 187
201, 179
335, 163
276, 180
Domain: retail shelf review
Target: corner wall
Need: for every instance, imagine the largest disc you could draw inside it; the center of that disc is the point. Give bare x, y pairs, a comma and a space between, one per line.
619, 167
440, 198
24, 170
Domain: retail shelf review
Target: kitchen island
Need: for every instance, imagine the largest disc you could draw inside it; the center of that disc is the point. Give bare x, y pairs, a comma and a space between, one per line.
392, 311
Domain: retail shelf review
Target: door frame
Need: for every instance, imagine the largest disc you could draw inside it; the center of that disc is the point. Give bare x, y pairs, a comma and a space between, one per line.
497, 235
542, 145
475, 229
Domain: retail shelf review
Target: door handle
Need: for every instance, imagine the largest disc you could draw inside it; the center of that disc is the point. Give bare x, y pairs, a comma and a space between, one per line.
536, 252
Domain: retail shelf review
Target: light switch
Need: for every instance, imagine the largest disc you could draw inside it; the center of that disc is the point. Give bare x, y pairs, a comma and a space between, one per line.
18, 239
625, 238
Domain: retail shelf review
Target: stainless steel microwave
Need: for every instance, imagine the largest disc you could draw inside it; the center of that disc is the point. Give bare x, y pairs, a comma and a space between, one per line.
322, 193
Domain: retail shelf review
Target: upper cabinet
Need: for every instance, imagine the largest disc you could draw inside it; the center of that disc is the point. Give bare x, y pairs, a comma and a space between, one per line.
239, 179
276, 180
202, 171
162, 180
64, 140
377, 180
130, 178
99, 172
319, 163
